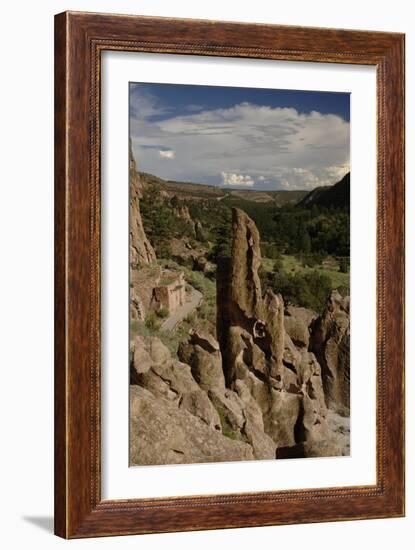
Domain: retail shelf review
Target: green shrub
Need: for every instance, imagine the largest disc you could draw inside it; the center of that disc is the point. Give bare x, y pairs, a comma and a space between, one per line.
310, 289
151, 322
227, 430
270, 250
162, 313
344, 264
312, 259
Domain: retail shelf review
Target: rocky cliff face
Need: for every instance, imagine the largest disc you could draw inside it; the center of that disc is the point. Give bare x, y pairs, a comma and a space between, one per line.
141, 251
266, 388
172, 420
330, 341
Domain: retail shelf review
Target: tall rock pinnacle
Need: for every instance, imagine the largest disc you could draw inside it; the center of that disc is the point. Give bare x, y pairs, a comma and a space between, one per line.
243, 315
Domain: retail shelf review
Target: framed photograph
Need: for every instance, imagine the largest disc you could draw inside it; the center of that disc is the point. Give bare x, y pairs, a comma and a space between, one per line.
229, 275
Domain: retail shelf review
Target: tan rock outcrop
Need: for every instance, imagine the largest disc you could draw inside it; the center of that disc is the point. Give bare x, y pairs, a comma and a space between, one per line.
163, 433
262, 390
297, 321
158, 372
141, 251
203, 355
148, 351
182, 212
240, 414
330, 342
242, 314
284, 380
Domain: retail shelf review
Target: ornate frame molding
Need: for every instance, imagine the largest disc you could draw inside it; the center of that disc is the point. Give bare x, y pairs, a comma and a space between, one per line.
79, 40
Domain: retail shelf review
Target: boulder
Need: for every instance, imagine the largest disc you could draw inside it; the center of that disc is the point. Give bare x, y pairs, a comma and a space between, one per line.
182, 211
143, 281
203, 355
291, 355
163, 433
141, 358
137, 311
149, 350
198, 404
281, 421
168, 378
297, 321
253, 429
241, 419
230, 411
199, 231
245, 288
273, 341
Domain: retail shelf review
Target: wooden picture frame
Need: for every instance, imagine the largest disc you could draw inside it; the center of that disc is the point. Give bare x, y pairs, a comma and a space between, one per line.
79, 40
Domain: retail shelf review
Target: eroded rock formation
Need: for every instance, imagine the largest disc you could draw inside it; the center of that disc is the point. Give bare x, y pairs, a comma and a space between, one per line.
141, 251
330, 342
268, 387
163, 433
282, 378
172, 419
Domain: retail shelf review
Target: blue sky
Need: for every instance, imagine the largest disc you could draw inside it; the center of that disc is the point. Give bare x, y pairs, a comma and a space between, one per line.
240, 137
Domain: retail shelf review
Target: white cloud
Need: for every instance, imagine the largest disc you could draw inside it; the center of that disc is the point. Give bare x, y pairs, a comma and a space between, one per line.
236, 179
167, 154
277, 147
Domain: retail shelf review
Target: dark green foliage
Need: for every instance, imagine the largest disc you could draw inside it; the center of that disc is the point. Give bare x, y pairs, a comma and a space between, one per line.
330, 232
308, 232
174, 201
151, 322
310, 289
312, 260
294, 229
162, 313
344, 264
270, 250
160, 221
222, 237
316, 230
334, 196
290, 229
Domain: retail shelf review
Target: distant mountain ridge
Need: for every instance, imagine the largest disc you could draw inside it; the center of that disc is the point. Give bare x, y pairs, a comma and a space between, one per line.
196, 191
330, 196
333, 196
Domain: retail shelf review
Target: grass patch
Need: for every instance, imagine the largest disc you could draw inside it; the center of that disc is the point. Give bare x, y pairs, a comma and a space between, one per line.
293, 264
227, 430
163, 313
170, 339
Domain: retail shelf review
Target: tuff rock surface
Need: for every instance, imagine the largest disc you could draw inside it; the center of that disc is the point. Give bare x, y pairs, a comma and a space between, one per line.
330, 342
141, 251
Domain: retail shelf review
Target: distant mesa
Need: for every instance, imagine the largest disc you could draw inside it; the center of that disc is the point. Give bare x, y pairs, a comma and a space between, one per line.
198, 191
330, 196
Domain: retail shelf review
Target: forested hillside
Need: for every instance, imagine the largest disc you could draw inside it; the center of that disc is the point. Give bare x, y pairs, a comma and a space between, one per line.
305, 238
